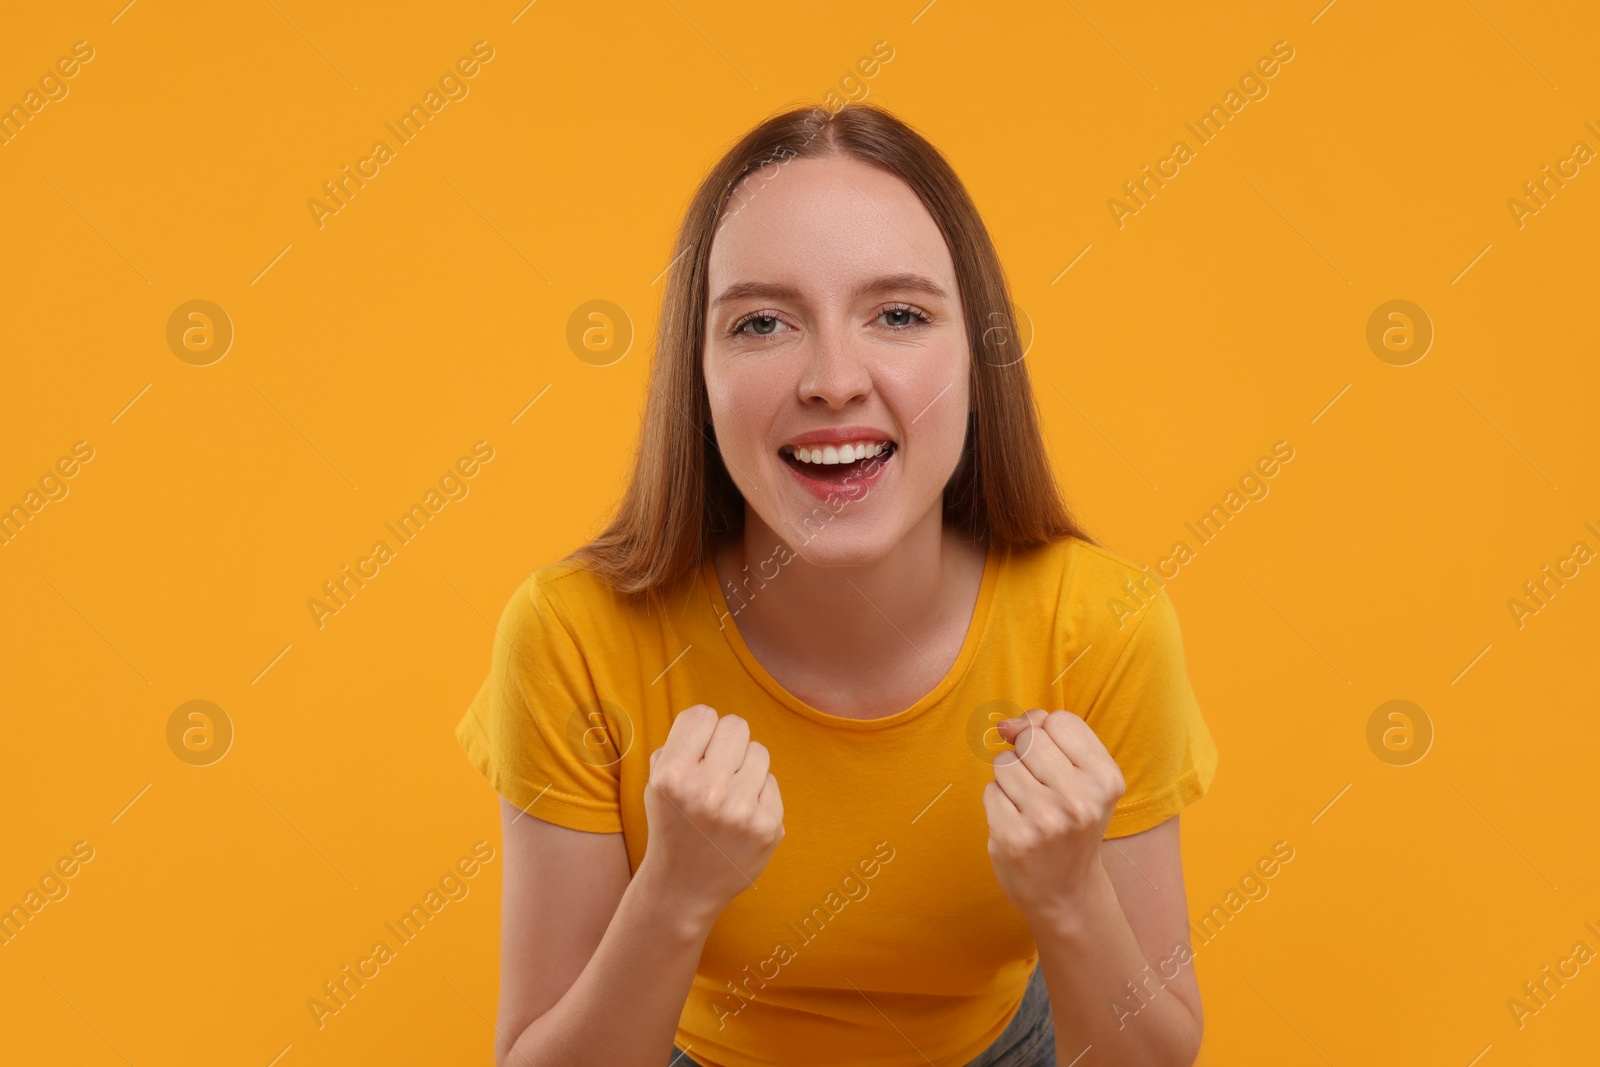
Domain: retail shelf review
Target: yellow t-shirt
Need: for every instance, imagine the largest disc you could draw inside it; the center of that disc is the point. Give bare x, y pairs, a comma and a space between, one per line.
879, 935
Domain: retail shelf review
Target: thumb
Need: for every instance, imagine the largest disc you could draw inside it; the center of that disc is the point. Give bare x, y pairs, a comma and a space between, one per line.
1010, 728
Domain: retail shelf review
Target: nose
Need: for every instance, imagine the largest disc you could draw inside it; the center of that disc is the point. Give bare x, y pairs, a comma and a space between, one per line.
834, 373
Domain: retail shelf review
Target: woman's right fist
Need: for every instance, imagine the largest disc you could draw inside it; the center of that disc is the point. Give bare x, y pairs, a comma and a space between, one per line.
714, 811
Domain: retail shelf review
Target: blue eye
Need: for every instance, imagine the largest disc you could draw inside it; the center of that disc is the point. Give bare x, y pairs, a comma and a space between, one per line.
765, 325
913, 318
905, 318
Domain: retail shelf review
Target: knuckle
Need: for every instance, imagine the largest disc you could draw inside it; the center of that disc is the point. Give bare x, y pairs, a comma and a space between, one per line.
1020, 841
677, 787
1079, 819
1053, 824
712, 796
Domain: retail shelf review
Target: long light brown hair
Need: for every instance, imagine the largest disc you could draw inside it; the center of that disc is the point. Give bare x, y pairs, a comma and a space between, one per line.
681, 500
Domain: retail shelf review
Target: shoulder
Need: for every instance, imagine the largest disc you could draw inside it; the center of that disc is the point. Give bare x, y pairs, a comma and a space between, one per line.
1075, 569
569, 580
561, 590
568, 594
1096, 595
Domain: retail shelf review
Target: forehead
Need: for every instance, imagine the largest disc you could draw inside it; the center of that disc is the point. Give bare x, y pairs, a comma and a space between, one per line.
823, 224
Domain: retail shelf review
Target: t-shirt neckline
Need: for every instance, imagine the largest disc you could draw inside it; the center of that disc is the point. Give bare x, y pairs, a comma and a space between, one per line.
952, 678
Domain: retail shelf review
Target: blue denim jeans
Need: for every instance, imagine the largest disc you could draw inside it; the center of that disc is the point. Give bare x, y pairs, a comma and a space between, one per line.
1027, 1041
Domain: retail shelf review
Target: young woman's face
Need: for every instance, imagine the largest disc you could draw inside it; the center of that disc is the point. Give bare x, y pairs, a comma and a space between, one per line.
834, 320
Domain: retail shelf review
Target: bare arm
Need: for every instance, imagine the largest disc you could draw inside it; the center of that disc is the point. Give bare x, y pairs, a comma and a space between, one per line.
1109, 916
584, 948
1119, 966
595, 964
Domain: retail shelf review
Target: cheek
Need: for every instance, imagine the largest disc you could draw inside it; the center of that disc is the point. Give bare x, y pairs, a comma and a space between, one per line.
944, 453
723, 392
743, 401
937, 401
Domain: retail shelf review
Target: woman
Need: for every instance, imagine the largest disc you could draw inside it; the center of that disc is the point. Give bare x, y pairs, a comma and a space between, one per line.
841, 567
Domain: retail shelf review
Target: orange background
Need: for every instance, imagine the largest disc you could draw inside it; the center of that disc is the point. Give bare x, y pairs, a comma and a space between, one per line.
368, 355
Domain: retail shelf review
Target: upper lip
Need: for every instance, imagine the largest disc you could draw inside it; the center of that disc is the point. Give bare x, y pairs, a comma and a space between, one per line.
838, 435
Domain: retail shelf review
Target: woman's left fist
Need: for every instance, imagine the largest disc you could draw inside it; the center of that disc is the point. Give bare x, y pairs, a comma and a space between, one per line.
1048, 808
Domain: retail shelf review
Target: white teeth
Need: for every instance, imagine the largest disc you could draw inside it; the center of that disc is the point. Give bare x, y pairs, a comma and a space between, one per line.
835, 454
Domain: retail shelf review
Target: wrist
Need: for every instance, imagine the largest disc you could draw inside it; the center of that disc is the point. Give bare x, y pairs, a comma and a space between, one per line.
687, 916
1075, 912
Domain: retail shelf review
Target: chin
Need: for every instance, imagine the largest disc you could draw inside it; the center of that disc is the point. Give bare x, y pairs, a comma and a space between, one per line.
843, 554
837, 543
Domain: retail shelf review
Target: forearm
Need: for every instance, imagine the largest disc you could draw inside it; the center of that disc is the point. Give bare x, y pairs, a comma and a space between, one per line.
623, 1009
1098, 979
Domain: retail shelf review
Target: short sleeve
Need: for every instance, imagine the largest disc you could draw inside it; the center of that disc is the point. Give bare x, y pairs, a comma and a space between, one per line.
531, 729
1146, 715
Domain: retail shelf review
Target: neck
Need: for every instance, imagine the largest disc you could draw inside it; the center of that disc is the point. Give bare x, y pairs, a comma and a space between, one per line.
853, 619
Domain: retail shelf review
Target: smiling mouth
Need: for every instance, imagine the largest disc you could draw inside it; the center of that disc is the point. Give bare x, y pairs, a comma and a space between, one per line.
841, 463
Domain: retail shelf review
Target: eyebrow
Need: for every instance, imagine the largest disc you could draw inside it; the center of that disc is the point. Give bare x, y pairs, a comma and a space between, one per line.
885, 283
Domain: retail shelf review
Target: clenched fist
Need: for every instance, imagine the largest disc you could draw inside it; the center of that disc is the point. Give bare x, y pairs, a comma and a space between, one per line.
713, 809
1048, 808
